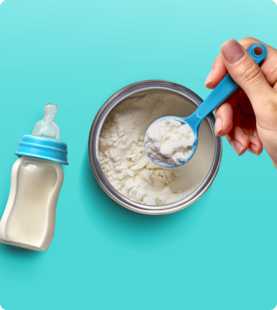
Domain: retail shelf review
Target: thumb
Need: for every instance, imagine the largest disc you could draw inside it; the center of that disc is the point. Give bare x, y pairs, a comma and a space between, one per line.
246, 73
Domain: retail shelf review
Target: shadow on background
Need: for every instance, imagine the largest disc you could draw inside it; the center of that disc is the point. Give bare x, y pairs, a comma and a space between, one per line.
13, 250
116, 222
18, 260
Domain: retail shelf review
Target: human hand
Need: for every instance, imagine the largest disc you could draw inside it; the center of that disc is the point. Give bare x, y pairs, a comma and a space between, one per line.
248, 118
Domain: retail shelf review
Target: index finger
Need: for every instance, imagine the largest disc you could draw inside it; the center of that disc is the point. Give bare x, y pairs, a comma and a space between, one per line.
268, 66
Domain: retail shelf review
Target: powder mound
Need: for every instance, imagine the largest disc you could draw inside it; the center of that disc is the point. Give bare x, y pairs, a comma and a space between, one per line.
123, 158
169, 142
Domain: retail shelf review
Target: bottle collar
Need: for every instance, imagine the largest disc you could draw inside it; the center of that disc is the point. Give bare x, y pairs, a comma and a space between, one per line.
38, 147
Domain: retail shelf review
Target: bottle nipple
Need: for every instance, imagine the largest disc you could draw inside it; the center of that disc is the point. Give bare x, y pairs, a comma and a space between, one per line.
47, 128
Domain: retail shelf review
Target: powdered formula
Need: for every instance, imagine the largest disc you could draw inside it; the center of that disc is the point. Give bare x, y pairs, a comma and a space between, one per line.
169, 142
123, 158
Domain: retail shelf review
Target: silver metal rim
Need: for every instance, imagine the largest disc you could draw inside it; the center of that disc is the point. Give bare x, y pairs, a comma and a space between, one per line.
94, 156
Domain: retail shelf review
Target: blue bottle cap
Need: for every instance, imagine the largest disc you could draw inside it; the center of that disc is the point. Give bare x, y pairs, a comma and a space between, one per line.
43, 148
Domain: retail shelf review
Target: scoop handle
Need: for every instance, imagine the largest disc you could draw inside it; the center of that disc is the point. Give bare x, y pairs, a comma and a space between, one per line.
223, 90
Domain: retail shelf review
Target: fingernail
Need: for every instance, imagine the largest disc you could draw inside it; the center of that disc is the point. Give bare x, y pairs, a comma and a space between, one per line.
253, 149
232, 51
237, 147
218, 125
209, 77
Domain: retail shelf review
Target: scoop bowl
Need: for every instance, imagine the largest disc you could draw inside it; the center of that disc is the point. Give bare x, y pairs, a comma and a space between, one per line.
182, 120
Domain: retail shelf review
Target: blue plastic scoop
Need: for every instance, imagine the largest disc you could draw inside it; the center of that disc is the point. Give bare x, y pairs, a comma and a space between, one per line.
223, 90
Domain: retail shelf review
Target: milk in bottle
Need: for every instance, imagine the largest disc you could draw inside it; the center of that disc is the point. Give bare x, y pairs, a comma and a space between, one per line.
37, 177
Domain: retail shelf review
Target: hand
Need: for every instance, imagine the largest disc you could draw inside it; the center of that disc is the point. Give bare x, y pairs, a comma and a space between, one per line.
248, 118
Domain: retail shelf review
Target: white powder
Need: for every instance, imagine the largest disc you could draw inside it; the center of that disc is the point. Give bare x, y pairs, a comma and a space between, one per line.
169, 142
124, 161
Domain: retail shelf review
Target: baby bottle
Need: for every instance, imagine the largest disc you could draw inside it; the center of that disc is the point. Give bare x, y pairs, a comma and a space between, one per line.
37, 177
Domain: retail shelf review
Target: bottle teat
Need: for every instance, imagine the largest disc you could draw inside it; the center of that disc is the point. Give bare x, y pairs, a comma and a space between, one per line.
47, 128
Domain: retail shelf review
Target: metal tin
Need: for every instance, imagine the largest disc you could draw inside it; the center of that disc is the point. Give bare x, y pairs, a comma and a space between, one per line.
132, 90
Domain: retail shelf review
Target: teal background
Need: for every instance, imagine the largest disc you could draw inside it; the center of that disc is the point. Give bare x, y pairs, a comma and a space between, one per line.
219, 253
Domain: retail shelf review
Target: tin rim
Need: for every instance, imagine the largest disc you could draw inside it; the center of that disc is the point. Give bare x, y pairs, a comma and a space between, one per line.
93, 145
